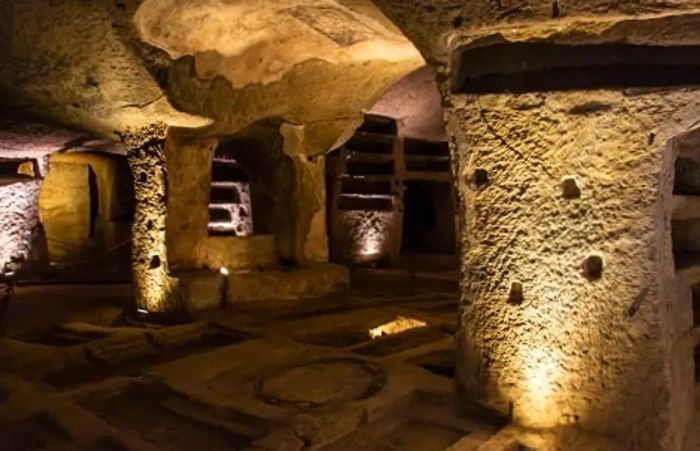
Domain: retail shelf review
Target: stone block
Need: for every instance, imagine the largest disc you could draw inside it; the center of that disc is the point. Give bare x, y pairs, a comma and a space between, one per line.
281, 285
201, 290
66, 211
255, 251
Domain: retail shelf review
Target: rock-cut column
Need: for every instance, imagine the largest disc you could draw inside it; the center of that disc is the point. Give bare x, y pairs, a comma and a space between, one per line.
569, 314
156, 294
306, 150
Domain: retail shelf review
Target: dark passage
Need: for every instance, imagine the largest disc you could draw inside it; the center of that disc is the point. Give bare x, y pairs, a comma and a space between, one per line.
428, 226
541, 66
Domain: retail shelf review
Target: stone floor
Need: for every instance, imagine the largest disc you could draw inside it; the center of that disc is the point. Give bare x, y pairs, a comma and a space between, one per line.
299, 376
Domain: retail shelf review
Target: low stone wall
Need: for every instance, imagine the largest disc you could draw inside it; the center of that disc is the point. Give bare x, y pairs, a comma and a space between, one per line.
278, 286
203, 290
233, 253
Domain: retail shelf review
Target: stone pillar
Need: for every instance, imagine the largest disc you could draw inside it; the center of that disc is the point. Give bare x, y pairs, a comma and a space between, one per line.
189, 162
310, 235
156, 293
569, 313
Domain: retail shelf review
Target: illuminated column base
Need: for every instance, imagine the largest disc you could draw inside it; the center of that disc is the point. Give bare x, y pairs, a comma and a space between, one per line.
569, 314
156, 294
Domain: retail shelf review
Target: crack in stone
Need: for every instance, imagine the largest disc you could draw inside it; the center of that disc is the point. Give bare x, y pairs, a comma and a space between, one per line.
142, 105
495, 134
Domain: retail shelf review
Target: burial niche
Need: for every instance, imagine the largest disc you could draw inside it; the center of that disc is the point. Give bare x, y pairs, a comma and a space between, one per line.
230, 205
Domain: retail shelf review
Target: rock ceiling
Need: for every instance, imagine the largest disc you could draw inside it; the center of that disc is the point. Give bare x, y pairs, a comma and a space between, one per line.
105, 66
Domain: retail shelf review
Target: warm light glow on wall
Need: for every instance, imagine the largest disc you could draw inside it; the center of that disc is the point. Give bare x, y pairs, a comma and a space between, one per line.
541, 373
155, 289
400, 324
370, 234
370, 245
542, 378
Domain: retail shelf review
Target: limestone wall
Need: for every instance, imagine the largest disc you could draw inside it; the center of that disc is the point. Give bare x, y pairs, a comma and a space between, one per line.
86, 207
19, 217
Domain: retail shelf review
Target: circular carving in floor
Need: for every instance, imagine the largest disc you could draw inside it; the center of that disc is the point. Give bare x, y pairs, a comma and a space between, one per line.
323, 382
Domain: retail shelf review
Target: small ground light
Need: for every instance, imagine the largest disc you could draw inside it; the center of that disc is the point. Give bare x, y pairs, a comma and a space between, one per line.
142, 311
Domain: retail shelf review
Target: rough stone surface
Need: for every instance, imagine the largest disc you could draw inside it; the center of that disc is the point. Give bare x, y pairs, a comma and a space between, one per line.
203, 385
155, 290
151, 53
323, 383
19, 217
259, 150
569, 354
610, 355
30, 139
286, 33
82, 64
238, 77
435, 27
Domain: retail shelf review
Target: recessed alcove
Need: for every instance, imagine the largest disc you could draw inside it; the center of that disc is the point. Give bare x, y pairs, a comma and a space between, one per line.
377, 124
14, 168
549, 66
428, 226
685, 233
696, 304
230, 204
391, 200
687, 177
685, 220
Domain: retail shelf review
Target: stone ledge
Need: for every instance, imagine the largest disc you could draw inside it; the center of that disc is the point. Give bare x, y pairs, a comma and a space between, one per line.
286, 285
204, 289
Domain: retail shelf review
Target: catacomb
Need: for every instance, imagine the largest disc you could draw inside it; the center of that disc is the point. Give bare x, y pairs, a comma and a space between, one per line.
349, 224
